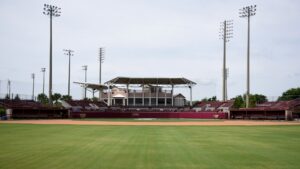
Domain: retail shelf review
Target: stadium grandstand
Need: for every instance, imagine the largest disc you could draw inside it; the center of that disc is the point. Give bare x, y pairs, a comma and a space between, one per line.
29, 109
132, 97
280, 110
142, 92
128, 97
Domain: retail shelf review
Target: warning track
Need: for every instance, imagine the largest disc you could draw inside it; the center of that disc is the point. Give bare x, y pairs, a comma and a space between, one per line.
155, 123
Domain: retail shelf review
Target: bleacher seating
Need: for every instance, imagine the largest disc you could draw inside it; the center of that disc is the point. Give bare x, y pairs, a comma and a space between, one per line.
28, 109
83, 105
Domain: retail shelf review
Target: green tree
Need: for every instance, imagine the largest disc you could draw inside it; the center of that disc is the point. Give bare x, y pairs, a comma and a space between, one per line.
195, 102
6, 97
238, 102
204, 99
17, 98
66, 98
257, 99
42, 98
87, 99
2, 112
290, 94
214, 98
95, 99
55, 97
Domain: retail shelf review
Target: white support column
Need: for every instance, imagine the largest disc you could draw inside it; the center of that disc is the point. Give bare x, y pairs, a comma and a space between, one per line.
288, 115
150, 97
165, 98
191, 96
143, 96
127, 89
9, 113
133, 97
172, 102
100, 94
156, 90
108, 96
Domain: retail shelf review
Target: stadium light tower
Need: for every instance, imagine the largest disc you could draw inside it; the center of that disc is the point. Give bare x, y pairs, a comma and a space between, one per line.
101, 60
52, 11
226, 30
32, 76
84, 67
43, 70
247, 12
69, 53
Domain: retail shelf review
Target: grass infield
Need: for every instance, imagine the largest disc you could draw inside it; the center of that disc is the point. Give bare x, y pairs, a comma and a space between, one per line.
28, 146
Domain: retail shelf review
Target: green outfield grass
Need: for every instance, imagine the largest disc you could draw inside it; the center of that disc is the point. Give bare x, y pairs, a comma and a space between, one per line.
148, 147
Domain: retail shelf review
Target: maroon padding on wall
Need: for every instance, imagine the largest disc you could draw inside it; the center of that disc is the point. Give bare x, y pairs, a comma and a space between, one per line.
198, 115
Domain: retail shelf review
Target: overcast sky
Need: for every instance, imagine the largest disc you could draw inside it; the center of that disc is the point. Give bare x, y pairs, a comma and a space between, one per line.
151, 38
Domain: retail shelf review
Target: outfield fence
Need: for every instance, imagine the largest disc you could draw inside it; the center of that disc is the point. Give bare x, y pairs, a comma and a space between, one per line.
198, 115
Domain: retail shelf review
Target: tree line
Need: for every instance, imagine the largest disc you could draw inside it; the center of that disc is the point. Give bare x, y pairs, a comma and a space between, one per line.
240, 100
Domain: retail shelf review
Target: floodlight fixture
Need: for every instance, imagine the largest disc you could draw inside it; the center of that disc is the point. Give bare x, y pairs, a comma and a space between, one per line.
52, 11
247, 12
101, 60
226, 33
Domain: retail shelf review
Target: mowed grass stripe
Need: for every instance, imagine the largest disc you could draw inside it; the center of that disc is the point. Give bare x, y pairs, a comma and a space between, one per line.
148, 147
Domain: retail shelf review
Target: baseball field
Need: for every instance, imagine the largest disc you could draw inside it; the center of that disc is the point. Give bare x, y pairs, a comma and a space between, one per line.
55, 146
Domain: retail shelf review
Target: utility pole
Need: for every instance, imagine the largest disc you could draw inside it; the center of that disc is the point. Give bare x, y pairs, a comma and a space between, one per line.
247, 12
225, 35
43, 70
84, 67
69, 53
33, 76
52, 11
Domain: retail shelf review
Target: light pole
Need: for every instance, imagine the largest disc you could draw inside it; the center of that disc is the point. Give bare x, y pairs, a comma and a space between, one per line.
43, 70
247, 12
52, 11
32, 76
84, 67
69, 53
101, 60
225, 35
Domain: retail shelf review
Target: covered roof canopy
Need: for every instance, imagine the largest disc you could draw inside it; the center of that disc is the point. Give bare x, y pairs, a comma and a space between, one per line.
153, 81
92, 85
